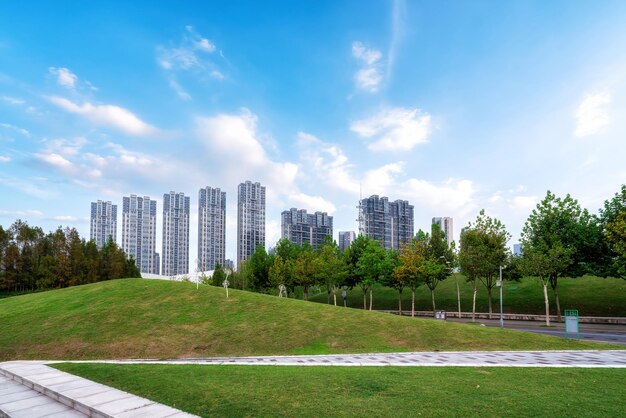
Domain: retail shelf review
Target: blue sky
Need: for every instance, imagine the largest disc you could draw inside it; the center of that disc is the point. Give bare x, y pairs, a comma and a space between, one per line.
454, 106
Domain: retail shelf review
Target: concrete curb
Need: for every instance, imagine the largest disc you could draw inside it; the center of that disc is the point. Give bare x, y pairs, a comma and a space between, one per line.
87, 397
614, 320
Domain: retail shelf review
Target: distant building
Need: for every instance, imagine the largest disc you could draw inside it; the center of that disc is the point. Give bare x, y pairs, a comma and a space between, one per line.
157, 264
229, 264
211, 228
390, 223
300, 227
250, 219
446, 226
103, 222
345, 239
139, 231
517, 250
175, 253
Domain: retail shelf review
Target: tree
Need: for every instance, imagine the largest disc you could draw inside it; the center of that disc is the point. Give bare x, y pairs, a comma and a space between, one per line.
351, 256
410, 269
544, 264
483, 250
333, 269
259, 264
219, 275
437, 258
281, 272
613, 220
561, 223
306, 270
374, 266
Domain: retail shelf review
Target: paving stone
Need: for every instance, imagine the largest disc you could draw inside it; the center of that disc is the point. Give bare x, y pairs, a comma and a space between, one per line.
10, 407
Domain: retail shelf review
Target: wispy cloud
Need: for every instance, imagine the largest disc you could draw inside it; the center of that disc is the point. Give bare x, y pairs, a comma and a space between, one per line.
592, 114
107, 115
14, 213
398, 11
12, 100
369, 75
64, 77
14, 128
394, 129
4, 159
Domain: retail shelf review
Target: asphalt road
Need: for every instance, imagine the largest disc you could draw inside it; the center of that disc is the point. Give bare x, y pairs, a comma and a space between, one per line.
592, 332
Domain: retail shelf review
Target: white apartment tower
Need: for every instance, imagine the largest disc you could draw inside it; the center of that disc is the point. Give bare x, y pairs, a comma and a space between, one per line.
250, 219
139, 231
300, 227
175, 252
345, 239
446, 226
103, 222
389, 223
211, 228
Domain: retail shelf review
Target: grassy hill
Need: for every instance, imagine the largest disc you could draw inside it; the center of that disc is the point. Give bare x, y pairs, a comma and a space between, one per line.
592, 296
138, 318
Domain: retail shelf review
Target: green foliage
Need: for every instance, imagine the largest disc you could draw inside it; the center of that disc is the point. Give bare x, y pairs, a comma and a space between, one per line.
613, 218
219, 275
31, 260
259, 266
306, 269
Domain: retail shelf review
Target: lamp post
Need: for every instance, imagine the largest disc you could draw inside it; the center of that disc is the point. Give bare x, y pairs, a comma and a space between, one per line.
500, 284
458, 293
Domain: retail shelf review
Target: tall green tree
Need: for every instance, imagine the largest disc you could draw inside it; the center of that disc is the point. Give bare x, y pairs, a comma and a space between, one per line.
613, 219
561, 224
409, 269
483, 250
351, 256
306, 270
333, 269
374, 266
259, 265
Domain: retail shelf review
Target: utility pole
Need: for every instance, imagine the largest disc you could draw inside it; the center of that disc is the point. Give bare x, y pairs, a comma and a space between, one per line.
501, 318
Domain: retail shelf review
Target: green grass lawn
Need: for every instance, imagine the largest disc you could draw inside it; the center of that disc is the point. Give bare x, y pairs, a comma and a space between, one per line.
592, 296
140, 318
368, 391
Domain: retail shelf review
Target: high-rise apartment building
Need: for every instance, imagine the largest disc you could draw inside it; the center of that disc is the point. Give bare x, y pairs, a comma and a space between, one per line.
517, 250
157, 264
211, 228
175, 253
300, 227
390, 223
139, 231
446, 226
250, 219
345, 239
103, 222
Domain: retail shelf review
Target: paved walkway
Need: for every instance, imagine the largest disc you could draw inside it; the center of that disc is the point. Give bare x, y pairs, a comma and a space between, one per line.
34, 390
582, 358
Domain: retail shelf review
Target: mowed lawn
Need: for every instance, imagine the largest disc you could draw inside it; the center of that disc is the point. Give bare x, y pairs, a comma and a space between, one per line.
592, 296
140, 318
285, 391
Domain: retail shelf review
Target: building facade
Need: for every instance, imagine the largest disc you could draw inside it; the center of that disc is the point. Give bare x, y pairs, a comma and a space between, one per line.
517, 250
390, 223
211, 228
103, 222
139, 231
250, 219
446, 226
175, 252
300, 227
345, 239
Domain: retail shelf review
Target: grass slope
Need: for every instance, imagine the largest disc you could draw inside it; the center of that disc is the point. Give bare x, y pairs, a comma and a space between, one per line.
368, 391
138, 318
592, 296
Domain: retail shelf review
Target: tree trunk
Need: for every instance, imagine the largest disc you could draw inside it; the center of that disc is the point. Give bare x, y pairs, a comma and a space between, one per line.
556, 299
489, 300
432, 296
474, 304
458, 296
335, 297
400, 302
545, 298
328, 297
305, 293
365, 299
371, 291
412, 303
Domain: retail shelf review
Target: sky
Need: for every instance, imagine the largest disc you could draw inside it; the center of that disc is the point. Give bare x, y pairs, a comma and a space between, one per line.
454, 106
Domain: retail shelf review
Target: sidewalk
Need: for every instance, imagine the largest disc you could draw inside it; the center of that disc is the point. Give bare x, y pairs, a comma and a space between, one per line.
616, 320
32, 389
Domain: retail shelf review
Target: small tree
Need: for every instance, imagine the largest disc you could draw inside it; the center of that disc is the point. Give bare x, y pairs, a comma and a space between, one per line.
306, 270
374, 266
218, 275
410, 269
333, 269
281, 273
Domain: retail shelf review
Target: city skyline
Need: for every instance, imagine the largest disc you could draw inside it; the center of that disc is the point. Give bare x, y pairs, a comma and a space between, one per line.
344, 101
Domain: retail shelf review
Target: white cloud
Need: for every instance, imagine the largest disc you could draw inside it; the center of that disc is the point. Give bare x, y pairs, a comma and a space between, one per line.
311, 203
4, 159
369, 76
13, 213
55, 160
65, 77
452, 195
17, 129
12, 100
65, 147
205, 45
107, 115
592, 114
179, 90
395, 129
523, 203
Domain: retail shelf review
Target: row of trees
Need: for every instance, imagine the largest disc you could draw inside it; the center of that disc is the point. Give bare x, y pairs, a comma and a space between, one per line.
559, 239
32, 260
425, 261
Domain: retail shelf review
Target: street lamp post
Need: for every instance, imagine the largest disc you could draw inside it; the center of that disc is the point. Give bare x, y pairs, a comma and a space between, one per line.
501, 318
458, 293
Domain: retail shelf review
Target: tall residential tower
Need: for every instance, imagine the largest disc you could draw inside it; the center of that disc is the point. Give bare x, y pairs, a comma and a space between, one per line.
390, 223
139, 231
175, 253
250, 219
446, 226
345, 239
211, 228
103, 222
300, 227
